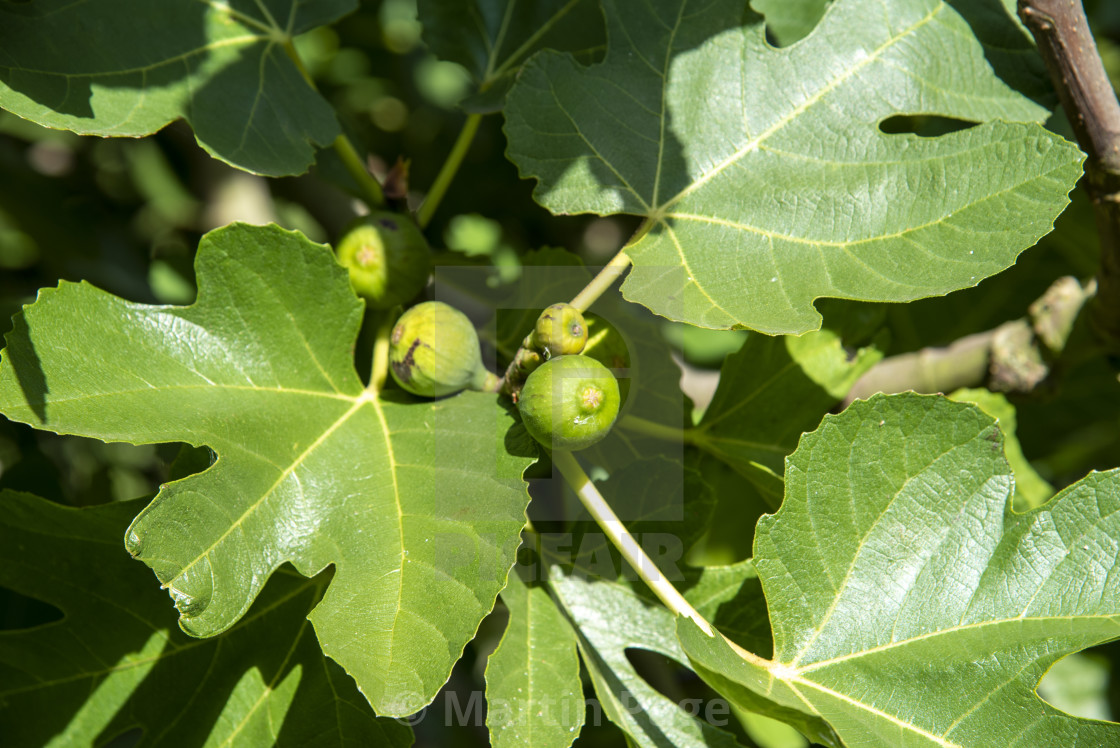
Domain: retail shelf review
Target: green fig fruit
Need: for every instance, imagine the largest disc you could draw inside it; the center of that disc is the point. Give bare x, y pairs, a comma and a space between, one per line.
560, 331
569, 402
388, 259
434, 351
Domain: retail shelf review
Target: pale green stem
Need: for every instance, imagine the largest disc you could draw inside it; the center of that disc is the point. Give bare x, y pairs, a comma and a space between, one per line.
611, 272
657, 430
380, 368
448, 171
347, 153
609, 522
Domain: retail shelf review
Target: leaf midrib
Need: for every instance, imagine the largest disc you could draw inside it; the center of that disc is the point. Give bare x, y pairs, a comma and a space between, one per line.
936, 739
400, 523
163, 388
857, 553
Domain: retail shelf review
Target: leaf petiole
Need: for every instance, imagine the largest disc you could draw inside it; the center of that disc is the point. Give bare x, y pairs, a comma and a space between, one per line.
590, 293
348, 154
658, 430
448, 170
343, 147
609, 522
611, 272
380, 368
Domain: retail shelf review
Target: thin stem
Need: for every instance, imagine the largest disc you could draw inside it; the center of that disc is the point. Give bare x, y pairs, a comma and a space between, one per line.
657, 430
622, 539
380, 367
583, 300
611, 272
449, 169
347, 153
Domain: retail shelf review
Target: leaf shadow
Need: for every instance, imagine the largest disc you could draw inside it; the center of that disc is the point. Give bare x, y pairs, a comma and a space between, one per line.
1008, 48
633, 165
273, 652
117, 662
46, 76
517, 441
607, 654
650, 731
21, 355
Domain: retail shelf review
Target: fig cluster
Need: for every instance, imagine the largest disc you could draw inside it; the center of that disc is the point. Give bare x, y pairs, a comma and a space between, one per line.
567, 400
560, 330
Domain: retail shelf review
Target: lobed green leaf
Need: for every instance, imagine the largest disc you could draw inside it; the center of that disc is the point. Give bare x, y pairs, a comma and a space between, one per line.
534, 695
127, 68
611, 618
910, 605
761, 195
418, 506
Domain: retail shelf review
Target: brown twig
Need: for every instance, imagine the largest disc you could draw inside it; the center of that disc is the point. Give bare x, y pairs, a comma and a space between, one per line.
1062, 33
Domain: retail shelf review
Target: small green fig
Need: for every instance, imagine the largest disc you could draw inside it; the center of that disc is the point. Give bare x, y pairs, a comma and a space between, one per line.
388, 259
569, 402
434, 351
560, 331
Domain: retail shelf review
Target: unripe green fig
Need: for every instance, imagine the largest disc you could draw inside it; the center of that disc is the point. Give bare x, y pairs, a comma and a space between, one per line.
388, 259
434, 351
560, 331
569, 402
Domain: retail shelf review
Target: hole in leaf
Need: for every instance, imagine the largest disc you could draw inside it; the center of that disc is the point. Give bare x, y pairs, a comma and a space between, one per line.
22, 612
924, 125
789, 21
1081, 684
